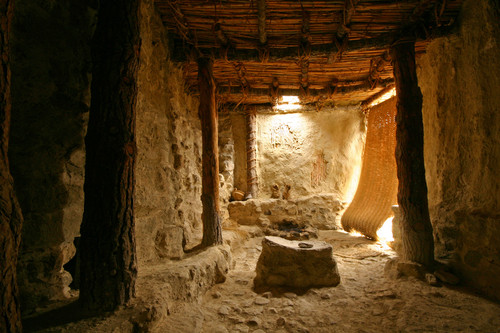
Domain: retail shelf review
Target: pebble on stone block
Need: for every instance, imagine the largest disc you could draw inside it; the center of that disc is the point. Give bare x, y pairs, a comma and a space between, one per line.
285, 263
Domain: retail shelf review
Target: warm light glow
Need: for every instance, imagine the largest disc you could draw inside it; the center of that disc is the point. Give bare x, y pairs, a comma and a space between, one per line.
290, 99
385, 232
391, 93
288, 103
356, 234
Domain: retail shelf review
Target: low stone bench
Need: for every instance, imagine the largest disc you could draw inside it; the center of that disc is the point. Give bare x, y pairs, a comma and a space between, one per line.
296, 265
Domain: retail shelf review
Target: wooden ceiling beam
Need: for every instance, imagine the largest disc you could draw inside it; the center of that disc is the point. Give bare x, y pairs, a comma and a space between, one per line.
237, 93
381, 42
347, 13
261, 7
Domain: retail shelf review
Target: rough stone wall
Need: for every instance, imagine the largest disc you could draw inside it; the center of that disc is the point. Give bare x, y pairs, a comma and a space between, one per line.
50, 103
168, 169
460, 82
313, 152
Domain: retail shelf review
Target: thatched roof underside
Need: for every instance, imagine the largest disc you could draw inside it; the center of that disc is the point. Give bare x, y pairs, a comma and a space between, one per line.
321, 51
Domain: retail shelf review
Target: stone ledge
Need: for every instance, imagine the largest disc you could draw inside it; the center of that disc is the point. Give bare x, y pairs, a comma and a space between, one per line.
319, 211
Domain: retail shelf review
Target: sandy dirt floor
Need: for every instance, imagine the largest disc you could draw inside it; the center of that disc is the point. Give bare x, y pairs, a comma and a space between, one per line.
365, 301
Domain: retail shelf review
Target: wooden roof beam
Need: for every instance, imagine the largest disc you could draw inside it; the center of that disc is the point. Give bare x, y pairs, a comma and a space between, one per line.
381, 42
347, 13
180, 22
304, 51
237, 93
261, 7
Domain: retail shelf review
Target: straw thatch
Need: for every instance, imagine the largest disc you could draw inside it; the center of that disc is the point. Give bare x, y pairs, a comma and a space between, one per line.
312, 48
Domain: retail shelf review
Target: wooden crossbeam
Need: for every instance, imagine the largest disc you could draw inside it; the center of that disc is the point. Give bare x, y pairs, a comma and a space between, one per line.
261, 7
347, 13
381, 42
327, 93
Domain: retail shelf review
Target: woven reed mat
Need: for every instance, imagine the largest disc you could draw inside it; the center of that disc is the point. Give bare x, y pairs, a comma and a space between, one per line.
378, 183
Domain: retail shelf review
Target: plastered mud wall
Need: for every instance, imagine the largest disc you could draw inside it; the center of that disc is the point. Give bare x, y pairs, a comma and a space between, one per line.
313, 152
50, 49
460, 81
168, 167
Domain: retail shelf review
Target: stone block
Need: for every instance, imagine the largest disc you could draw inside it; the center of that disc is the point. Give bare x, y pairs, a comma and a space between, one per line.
296, 265
169, 242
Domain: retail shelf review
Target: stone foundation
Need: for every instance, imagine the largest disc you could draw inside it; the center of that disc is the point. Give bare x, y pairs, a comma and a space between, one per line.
318, 211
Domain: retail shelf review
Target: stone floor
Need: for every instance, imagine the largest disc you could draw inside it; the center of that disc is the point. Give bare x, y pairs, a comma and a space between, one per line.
365, 301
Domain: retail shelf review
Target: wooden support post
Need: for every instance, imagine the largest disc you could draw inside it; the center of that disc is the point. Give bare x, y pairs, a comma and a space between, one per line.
261, 7
107, 246
252, 182
416, 228
212, 233
11, 219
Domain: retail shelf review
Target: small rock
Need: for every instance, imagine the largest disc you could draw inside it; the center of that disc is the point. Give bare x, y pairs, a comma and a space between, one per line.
325, 296
431, 279
242, 282
273, 310
216, 295
261, 301
267, 294
287, 302
304, 245
236, 320
446, 277
239, 293
255, 321
242, 328
280, 321
247, 303
224, 310
290, 295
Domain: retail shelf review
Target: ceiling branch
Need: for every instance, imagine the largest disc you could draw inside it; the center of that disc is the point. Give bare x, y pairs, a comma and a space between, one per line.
261, 6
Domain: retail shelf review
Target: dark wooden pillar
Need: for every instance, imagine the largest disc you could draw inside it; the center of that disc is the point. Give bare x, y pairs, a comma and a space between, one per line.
416, 228
11, 219
107, 245
212, 233
252, 187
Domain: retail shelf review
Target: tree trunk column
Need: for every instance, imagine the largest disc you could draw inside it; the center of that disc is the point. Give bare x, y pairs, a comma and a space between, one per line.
416, 228
11, 219
252, 186
212, 233
107, 245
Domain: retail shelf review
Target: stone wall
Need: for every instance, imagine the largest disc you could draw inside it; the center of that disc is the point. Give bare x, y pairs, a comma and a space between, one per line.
50, 101
313, 152
168, 169
460, 82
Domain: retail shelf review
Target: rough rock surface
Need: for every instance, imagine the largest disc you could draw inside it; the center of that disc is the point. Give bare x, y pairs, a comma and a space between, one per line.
313, 152
50, 63
295, 264
168, 168
319, 211
460, 82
